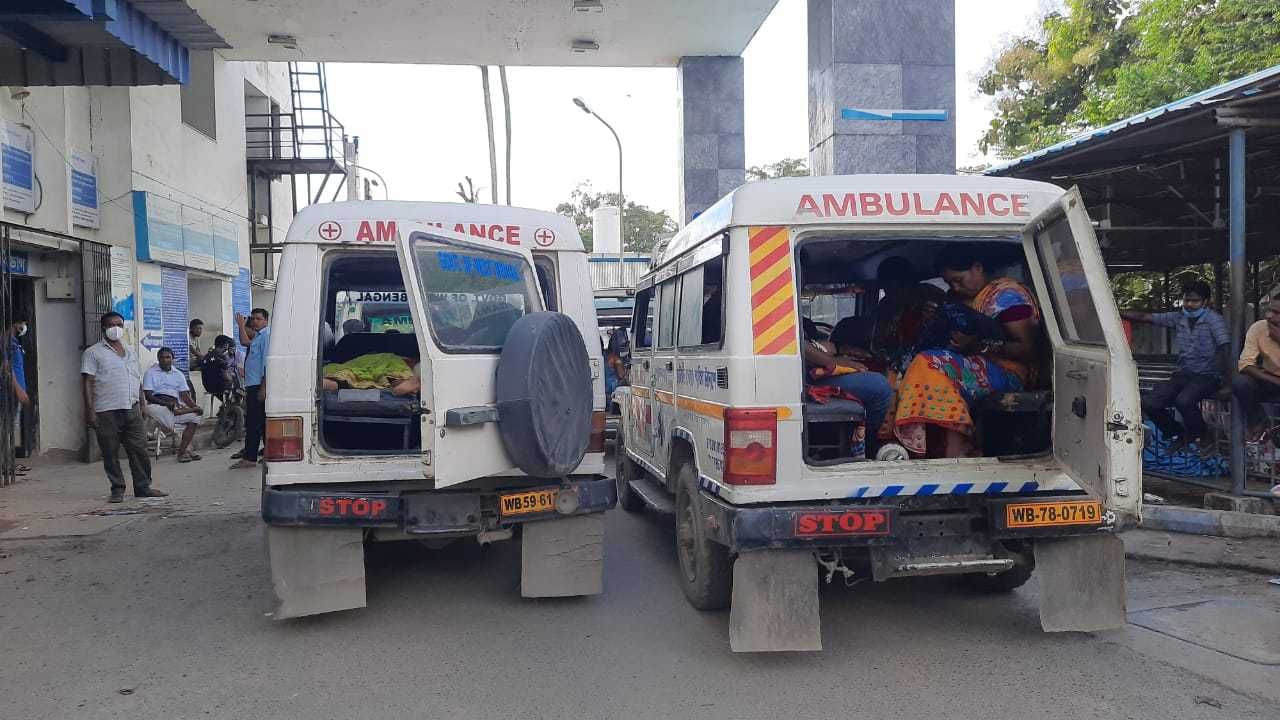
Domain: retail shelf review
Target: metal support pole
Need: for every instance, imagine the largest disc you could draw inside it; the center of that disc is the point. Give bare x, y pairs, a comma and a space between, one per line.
1237, 256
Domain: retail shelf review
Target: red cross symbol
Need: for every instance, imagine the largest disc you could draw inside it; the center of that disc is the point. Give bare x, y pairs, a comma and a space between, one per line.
330, 230
544, 237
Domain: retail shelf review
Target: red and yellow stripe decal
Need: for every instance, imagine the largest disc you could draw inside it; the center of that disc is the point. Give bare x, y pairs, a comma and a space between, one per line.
773, 293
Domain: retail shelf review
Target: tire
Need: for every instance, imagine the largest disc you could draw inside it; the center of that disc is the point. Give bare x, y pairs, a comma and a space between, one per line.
706, 570
624, 472
230, 426
1002, 582
543, 389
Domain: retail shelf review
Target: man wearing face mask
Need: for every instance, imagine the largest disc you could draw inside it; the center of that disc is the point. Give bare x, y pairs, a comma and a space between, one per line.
112, 383
1203, 343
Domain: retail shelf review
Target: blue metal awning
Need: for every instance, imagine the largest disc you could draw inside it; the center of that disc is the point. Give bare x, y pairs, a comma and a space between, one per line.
100, 42
1236, 89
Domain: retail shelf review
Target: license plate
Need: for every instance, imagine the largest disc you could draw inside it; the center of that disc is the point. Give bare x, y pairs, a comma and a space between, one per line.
1050, 514
527, 503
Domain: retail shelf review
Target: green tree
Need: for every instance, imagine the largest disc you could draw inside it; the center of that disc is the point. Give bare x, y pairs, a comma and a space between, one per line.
642, 227
786, 167
1099, 61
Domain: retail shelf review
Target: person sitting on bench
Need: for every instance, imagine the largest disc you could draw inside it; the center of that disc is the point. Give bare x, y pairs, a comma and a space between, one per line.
169, 402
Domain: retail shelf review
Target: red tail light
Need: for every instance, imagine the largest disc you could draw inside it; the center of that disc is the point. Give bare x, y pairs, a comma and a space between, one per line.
597, 433
284, 439
750, 447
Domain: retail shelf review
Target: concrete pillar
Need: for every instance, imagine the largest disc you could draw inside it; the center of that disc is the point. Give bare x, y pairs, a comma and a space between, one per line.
712, 149
881, 55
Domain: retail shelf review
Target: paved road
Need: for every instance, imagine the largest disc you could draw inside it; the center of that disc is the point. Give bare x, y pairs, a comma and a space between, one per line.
164, 617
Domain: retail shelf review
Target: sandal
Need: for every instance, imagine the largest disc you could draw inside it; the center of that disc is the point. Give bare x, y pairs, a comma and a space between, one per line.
22, 469
245, 465
194, 456
185, 458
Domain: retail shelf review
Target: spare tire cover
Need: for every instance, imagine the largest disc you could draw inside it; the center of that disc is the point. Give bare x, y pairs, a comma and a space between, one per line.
544, 394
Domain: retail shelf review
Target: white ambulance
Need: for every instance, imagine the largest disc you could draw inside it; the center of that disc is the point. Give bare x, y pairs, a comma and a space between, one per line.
768, 477
433, 373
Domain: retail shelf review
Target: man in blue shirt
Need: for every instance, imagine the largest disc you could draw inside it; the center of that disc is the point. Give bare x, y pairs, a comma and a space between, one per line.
18, 379
255, 386
1200, 334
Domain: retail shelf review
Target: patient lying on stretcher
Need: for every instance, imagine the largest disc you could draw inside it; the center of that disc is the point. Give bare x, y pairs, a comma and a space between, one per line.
377, 371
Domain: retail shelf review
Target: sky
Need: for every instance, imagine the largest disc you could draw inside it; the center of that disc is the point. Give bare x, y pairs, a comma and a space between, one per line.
422, 127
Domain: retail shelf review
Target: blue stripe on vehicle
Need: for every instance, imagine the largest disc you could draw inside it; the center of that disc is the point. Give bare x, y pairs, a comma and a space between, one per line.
927, 490
1029, 487
962, 489
861, 491
891, 491
996, 487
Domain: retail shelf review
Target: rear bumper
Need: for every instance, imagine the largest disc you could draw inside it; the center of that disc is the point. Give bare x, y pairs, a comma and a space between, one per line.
427, 513
870, 524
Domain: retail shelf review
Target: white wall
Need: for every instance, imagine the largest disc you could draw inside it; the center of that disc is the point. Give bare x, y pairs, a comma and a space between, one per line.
141, 144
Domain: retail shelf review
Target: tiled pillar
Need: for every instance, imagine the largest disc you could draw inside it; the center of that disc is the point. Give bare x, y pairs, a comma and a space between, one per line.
712, 150
881, 55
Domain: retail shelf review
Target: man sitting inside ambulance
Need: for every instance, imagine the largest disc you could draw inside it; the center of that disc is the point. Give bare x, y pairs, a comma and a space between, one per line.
825, 368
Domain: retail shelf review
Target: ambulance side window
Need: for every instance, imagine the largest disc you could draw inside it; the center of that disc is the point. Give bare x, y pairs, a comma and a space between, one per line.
546, 269
642, 319
667, 314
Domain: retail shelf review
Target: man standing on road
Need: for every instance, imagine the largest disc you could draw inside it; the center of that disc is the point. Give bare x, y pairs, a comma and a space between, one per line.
1202, 339
18, 381
255, 382
112, 385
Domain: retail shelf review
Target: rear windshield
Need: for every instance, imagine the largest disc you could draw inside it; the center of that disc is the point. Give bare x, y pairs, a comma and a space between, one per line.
473, 296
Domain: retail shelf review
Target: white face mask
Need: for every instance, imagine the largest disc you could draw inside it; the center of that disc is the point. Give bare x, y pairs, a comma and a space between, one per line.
22, 330
115, 333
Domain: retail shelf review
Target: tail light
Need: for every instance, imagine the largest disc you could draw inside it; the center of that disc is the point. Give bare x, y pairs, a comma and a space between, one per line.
597, 433
284, 439
750, 447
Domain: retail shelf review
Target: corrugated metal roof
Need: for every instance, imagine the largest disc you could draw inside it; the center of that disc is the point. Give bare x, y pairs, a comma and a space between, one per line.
1235, 89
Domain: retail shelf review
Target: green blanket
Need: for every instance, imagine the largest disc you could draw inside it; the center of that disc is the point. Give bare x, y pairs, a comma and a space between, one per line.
379, 370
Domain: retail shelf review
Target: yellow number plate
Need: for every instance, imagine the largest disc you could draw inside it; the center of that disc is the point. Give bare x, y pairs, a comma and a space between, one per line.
1049, 514
526, 503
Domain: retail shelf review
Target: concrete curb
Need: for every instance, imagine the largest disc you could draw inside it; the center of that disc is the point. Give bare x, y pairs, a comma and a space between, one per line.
1257, 555
1221, 523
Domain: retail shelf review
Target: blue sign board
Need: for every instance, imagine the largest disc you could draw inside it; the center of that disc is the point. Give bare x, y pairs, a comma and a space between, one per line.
18, 262
898, 114
173, 317
84, 190
226, 246
197, 238
16, 168
241, 295
152, 316
157, 228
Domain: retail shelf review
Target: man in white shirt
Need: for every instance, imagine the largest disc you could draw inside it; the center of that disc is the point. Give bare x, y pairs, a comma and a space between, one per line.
111, 385
169, 402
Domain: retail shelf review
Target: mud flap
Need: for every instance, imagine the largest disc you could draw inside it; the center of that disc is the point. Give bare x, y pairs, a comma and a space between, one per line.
1081, 583
775, 602
315, 570
563, 557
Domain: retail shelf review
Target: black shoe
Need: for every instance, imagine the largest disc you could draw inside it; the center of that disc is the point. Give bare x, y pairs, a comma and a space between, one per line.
116, 497
237, 455
151, 492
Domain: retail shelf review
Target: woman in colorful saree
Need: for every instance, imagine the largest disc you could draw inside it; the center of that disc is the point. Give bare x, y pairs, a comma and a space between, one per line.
942, 386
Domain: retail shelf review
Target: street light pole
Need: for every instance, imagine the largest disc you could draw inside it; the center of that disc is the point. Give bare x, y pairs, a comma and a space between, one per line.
622, 203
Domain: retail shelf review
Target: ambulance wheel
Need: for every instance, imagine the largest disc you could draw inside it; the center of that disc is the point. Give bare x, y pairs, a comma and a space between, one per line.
706, 570
624, 472
1002, 582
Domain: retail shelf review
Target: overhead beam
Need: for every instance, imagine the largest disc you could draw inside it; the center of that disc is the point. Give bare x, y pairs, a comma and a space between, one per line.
32, 39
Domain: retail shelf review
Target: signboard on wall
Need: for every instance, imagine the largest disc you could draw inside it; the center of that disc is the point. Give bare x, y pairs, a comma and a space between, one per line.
84, 189
173, 316
17, 145
226, 246
152, 316
122, 286
197, 238
241, 295
157, 228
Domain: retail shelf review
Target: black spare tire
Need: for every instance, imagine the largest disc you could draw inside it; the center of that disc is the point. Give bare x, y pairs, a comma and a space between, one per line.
544, 395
